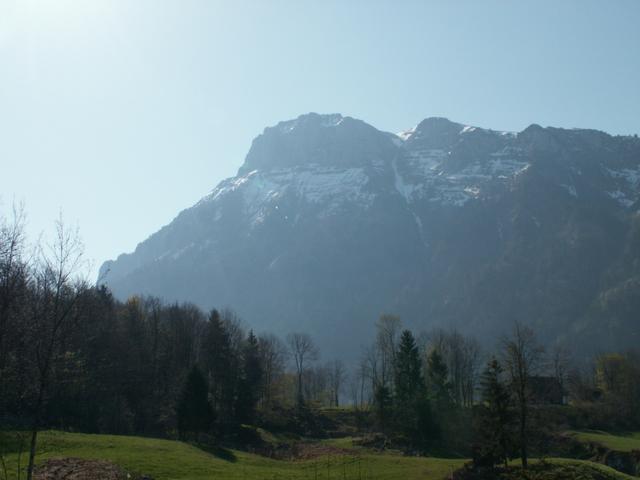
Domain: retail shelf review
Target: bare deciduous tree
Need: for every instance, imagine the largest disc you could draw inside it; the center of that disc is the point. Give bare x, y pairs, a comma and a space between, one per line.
273, 354
55, 293
472, 358
463, 358
363, 379
13, 273
523, 358
337, 377
316, 384
387, 336
303, 350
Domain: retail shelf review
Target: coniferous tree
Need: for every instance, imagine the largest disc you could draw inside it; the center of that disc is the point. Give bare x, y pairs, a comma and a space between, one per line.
250, 380
438, 379
194, 413
412, 411
216, 360
440, 394
438, 382
408, 375
382, 403
494, 438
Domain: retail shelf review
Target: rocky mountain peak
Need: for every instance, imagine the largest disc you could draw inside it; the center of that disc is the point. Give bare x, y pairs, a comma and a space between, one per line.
433, 133
322, 140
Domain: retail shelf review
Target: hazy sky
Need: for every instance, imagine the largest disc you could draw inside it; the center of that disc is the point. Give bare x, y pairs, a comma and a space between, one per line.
123, 113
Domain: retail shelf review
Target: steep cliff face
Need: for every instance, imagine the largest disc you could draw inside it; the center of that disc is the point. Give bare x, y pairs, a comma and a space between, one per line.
330, 222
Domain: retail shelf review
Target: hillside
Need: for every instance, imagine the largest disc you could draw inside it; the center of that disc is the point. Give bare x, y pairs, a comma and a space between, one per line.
165, 459
622, 443
331, 222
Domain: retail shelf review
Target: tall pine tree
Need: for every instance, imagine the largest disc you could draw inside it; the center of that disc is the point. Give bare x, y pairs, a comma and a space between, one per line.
439, 389
216, 362
495, 418
250, 380
408, 379
438, 381
193, 411
412, 412
382, 404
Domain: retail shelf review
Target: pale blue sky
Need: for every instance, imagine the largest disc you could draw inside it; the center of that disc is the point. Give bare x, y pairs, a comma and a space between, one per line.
122, 113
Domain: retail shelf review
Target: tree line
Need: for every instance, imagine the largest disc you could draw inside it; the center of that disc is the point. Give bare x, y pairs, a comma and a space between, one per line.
74, 357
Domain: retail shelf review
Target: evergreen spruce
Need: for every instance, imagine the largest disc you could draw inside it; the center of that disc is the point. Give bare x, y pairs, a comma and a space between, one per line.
383, 406
250, 380
495, 416
440, 394
412, 412
194, 413
438, 381
217, 363
408, 379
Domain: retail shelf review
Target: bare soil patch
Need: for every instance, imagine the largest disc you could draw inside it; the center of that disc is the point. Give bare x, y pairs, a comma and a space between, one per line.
81, 469
308, 451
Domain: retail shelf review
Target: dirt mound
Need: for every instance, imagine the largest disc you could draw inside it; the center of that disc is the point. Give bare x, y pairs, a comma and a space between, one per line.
308, 451
81, 469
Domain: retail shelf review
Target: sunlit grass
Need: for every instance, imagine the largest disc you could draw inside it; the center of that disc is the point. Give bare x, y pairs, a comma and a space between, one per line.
168, 460
623, 442
165, 459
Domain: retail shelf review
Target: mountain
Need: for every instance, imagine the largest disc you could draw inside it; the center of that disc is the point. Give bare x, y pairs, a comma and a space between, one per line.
331, 222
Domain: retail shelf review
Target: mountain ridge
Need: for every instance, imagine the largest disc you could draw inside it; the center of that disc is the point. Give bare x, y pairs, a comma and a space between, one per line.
329, 217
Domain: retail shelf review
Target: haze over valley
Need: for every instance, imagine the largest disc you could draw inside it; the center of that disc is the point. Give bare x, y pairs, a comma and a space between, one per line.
331, 222
319, 239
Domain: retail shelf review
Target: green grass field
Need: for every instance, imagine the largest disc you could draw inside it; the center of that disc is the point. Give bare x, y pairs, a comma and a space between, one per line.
620, 442
165, 459
584, 469
565, 469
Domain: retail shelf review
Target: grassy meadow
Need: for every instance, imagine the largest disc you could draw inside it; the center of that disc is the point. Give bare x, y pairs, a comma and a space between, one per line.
166, 459
622, 442
173, 460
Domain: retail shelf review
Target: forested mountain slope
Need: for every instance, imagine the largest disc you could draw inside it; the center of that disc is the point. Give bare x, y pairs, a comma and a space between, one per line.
330, 222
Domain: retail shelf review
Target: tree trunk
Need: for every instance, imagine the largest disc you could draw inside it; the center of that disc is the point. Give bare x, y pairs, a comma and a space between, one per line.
300, 398
37, 417
32, 451
34, 431
523, 435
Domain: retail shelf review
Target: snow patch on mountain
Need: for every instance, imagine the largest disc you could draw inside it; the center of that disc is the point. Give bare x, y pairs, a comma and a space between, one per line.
470, 129
428, 178
426, 162
627, 181
406, 134
330, 187
621, 198
629, 175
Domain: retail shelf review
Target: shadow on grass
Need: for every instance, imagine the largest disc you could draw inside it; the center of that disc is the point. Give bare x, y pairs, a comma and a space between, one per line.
217, 451
13, 442
445, 452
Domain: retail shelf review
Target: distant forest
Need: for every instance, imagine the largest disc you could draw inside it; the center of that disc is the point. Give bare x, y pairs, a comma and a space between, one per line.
74, 358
